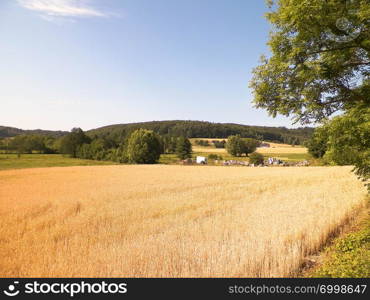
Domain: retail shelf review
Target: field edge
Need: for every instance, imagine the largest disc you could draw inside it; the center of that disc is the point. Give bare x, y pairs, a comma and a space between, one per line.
339, 252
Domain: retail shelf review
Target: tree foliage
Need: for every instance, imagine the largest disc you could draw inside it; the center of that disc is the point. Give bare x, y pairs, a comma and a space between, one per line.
6, 131
320, 65
219, 144
169, 144
349, 141
202, 143
320, 59
256, 158
71, 142
143, 147
237, 146
317, 145
30, 143
200, 129
250, 145
183, 148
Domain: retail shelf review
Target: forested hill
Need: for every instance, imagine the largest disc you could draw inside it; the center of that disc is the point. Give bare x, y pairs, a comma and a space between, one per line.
191, 129
200, 129
12, 131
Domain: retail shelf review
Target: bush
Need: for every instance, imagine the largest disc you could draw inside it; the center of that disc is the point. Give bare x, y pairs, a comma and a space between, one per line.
214, 157
219, 144
256, 158
203, 143
348, 257
144, 147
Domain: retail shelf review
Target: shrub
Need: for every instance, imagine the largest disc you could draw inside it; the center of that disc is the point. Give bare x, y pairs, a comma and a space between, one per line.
214, 157
348, 257
256, 158
203, 143
219, 144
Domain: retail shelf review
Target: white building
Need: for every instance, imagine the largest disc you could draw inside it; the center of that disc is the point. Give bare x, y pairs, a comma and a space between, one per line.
201, 160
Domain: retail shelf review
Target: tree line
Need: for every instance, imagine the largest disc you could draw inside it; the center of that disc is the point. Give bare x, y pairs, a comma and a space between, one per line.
215, 143
142, 146
200, 129
29, 144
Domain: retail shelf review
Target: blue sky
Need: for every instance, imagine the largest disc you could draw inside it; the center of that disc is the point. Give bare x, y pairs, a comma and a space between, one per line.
90, 63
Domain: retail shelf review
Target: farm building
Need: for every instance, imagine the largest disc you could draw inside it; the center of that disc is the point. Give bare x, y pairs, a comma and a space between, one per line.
201, 160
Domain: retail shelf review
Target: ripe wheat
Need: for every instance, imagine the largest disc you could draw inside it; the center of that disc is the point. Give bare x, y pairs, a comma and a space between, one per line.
169, 221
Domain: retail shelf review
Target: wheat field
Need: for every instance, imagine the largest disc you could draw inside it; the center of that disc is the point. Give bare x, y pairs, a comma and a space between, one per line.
278, 149
272, 150
169, 221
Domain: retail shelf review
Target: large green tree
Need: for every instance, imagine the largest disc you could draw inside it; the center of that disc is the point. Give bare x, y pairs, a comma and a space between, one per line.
317, 145
320, 60
72, 141
237, 146
349, 141
319, 63
144, 147
250, 145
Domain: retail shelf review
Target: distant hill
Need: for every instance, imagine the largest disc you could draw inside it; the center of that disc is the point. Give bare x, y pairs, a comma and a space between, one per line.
191, 129
201, 129
12, 131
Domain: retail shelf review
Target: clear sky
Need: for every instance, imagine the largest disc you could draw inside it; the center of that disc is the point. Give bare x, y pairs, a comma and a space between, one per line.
90, 63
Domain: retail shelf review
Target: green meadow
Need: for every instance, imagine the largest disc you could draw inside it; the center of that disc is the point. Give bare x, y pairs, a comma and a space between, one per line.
12, 161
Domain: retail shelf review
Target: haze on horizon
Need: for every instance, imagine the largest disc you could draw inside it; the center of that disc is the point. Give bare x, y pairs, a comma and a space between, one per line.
92, 63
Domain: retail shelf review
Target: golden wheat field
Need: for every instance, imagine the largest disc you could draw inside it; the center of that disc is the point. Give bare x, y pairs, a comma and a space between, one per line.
169, 221
278, 149
209, 150
273, 149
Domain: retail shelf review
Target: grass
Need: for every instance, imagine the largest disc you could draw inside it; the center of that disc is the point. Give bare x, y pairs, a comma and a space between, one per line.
349, 255
11, 161
209, 150
168, 159
169, 221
